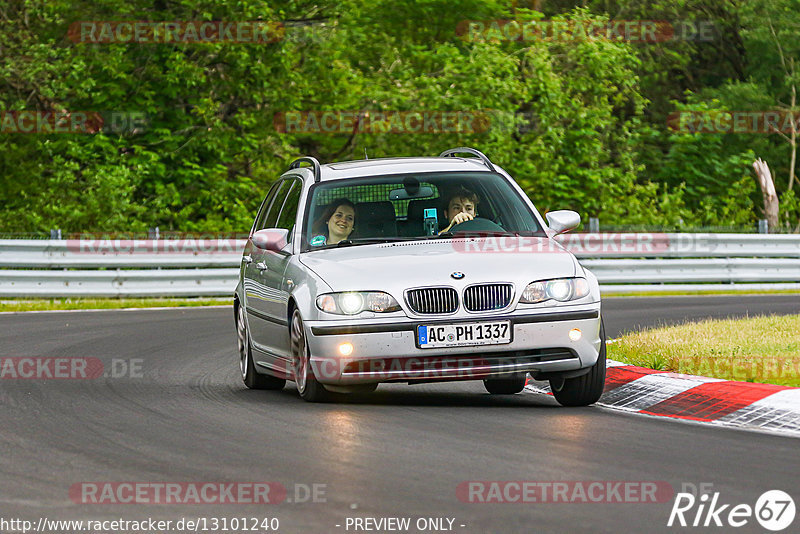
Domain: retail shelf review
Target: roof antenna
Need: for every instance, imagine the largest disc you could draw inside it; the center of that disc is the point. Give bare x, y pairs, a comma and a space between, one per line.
365, 153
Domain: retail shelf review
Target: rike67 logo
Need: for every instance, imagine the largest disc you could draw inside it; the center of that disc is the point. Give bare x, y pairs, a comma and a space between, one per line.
774, 510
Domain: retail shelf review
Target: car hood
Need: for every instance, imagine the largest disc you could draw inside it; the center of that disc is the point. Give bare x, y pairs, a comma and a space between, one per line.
394, 267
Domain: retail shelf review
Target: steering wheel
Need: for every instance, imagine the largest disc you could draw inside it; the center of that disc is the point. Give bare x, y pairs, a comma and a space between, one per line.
477, 224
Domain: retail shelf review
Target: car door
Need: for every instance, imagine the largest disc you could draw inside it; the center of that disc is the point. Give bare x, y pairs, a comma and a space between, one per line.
263, 212
254, 290
269, 297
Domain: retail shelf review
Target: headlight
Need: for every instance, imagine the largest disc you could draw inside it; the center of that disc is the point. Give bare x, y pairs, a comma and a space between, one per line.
560, 289
355, 302
351, 303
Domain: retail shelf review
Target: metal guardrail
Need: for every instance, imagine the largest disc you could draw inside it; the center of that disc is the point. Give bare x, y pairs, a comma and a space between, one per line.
709, 270
119, 283
122, 254
186, 267
654, 245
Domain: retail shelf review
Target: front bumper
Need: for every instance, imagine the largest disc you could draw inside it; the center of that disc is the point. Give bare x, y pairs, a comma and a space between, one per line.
386, 351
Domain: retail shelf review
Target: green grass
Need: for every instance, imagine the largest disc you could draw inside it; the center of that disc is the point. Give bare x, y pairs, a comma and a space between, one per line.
106, 304
705, 292
756, 349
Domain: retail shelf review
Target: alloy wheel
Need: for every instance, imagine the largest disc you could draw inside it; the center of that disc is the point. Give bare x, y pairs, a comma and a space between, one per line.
243, 342
299, 353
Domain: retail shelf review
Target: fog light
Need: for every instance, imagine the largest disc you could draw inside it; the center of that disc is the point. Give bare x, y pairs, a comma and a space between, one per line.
575, 334
346, 349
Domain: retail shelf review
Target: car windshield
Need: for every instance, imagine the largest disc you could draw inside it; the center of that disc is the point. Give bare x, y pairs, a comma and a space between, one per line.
410, 207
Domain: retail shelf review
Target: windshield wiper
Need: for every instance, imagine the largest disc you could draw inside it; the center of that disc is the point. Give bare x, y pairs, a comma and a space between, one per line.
484, 233
371, 240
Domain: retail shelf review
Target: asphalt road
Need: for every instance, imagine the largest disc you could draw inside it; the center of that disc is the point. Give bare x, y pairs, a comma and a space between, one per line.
626, 314
184, 416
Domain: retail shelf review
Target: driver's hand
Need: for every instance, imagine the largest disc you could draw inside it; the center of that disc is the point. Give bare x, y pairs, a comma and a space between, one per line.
460, 218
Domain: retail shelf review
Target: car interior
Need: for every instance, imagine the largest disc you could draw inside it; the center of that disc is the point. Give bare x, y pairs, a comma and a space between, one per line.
390, 209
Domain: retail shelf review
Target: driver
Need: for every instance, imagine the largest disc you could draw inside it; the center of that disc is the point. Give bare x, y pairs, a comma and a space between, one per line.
460, 207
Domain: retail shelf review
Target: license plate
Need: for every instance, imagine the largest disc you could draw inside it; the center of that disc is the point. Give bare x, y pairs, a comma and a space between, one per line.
463, 335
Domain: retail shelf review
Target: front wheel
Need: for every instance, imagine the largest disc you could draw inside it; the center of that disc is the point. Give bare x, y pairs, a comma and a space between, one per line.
585, 389
307, 385
250, 377
506, 386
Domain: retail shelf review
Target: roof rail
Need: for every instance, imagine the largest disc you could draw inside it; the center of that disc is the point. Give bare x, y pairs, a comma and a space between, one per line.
314, 163
466, 150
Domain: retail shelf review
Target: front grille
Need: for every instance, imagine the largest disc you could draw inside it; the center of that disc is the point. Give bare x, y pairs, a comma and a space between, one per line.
432, 300
487, 297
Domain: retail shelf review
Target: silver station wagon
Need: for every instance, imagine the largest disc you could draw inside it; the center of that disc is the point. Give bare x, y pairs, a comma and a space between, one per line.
414, 270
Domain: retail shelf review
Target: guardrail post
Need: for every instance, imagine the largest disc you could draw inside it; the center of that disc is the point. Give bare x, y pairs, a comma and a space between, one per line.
55, 233
763, 226
594, 225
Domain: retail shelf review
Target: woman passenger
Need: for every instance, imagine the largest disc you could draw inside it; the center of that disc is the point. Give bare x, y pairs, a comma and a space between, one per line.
335, 224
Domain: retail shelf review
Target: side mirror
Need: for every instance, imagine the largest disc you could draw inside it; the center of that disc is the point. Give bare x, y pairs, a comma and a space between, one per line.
563, 221
273, 239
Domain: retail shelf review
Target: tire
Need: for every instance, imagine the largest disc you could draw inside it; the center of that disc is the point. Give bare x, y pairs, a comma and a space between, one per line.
506, 386
250, 377
585, 389
310, 390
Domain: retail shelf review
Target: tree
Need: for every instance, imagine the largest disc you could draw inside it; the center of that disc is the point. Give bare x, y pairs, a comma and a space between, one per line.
771, 204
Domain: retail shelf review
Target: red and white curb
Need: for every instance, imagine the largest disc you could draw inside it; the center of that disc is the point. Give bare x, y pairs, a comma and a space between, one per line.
748, 405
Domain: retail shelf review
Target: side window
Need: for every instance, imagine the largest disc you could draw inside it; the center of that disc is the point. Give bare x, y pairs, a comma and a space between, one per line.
271, 213
264, 208
288, 214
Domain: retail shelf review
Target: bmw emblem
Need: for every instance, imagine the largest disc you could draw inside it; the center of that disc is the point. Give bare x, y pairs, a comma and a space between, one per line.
457, 275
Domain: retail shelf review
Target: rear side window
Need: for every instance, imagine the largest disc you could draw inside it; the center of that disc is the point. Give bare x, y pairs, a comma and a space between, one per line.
270, 215
288, 214
264, 208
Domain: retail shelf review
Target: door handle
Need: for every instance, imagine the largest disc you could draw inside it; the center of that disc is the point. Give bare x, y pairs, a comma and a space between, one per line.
247, 259
261, 266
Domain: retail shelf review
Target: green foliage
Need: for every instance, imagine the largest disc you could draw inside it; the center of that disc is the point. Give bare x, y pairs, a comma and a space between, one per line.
580, 124
790, 211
